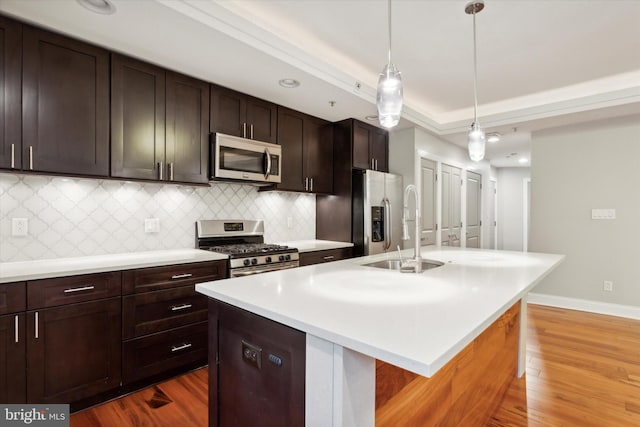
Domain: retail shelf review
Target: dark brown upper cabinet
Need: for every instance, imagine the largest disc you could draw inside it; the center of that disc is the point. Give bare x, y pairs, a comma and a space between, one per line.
137, 119
10, 94
370, 147
187, 128
65, 105
238, 114
159, 123
307, 152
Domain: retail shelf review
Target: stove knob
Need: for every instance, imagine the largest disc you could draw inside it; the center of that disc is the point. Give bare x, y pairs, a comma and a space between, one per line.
268, 259
254, 261
281, 258
246, 262
287, 257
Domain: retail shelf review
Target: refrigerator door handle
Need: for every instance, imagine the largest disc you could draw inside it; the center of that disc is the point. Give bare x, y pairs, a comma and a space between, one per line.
387, 223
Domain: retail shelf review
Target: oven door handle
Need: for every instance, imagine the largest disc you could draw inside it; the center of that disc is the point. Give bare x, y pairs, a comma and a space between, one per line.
248, 273
268, 168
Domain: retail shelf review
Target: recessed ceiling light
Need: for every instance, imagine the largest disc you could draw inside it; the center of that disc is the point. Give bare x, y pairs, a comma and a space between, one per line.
289, 83
104, 7
493, 137
523, 160
371, 118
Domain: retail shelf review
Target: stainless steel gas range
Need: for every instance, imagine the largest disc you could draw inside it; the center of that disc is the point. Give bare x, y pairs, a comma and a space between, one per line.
243, 241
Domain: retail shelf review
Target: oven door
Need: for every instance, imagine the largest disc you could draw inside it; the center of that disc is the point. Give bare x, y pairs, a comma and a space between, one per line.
247, 271
245, 159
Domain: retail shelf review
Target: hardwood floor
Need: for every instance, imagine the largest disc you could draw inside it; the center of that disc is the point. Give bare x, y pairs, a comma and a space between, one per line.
583, 370
179, 402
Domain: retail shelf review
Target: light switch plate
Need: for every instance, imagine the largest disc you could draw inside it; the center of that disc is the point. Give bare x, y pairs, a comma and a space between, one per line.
603, 214
152, 225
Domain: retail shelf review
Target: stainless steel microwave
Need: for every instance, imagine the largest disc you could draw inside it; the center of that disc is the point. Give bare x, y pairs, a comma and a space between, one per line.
242, 159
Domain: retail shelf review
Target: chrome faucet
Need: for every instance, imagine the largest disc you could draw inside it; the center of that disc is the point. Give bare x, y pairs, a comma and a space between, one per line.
416, 263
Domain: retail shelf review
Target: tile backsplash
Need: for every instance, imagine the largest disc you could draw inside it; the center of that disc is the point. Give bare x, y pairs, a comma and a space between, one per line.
76, 216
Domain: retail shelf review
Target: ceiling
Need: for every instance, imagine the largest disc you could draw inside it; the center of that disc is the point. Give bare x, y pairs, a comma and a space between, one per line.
541, 63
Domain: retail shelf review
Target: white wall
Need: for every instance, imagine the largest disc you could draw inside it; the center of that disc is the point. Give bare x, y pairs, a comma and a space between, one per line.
407, 146
76, 217
510, 215
575, 169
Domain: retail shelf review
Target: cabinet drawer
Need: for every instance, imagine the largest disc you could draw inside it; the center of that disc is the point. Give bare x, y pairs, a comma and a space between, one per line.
152, 312
157, 353
13, 297
157, 278
73, 289
318, 257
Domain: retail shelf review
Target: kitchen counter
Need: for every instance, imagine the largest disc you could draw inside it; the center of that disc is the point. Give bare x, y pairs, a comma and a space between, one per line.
414, 321
315, 245
365, 327
42, 269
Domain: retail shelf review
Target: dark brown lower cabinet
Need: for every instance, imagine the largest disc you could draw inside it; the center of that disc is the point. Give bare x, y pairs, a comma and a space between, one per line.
12, 358
328, 255
73, 351
260, 376
156, 353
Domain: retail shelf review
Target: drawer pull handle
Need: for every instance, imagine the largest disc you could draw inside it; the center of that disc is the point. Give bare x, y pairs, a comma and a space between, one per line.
180, 347
37, 328
80, 289
328, 257
181, 276
180, 307
15, 320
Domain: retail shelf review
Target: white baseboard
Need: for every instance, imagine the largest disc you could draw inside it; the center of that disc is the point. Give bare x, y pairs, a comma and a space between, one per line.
610, 309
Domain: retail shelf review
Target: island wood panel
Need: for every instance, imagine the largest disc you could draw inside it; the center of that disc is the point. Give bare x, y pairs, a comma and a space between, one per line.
465, 392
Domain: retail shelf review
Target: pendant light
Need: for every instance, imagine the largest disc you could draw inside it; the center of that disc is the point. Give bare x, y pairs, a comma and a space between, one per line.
475, 138
389, 95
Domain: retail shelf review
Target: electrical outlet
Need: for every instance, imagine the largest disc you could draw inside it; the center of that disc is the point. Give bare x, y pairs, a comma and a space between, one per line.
152, 225
607, 286
19, 227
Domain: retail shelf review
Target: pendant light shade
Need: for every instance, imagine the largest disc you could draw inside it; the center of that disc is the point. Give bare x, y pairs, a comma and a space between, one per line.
476, 142
389, 94
475, 138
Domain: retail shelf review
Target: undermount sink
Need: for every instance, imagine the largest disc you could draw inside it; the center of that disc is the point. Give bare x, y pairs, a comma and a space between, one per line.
396, 264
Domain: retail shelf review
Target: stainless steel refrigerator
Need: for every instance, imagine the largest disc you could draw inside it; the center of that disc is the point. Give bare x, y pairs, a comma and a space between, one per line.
377, 212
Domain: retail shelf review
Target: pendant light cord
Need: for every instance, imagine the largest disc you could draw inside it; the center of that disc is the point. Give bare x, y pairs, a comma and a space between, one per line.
389, 19
475, 70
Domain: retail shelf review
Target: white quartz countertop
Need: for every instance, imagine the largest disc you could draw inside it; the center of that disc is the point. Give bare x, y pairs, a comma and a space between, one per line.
315, 245
415, 321
46, 268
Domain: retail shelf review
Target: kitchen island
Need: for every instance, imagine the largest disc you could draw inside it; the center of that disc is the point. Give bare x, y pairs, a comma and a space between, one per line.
361, 321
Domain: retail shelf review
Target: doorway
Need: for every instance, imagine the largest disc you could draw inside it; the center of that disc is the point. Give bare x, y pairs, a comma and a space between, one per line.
429, 209
451, 201
474, 209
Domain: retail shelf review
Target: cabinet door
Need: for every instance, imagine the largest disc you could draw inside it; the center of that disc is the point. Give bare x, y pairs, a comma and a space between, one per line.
187, 128
137, 119
73, 351
228, 111
65, 109
361, 157
261, 120
318, 154
10, 94
12, 359
378, 149
290, 136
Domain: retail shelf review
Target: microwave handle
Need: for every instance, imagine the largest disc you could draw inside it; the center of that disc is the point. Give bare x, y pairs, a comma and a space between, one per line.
268, 171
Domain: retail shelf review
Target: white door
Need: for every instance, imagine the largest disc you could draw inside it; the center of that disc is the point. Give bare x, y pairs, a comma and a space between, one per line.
451, 205
428, 177
492, 214
474, 211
